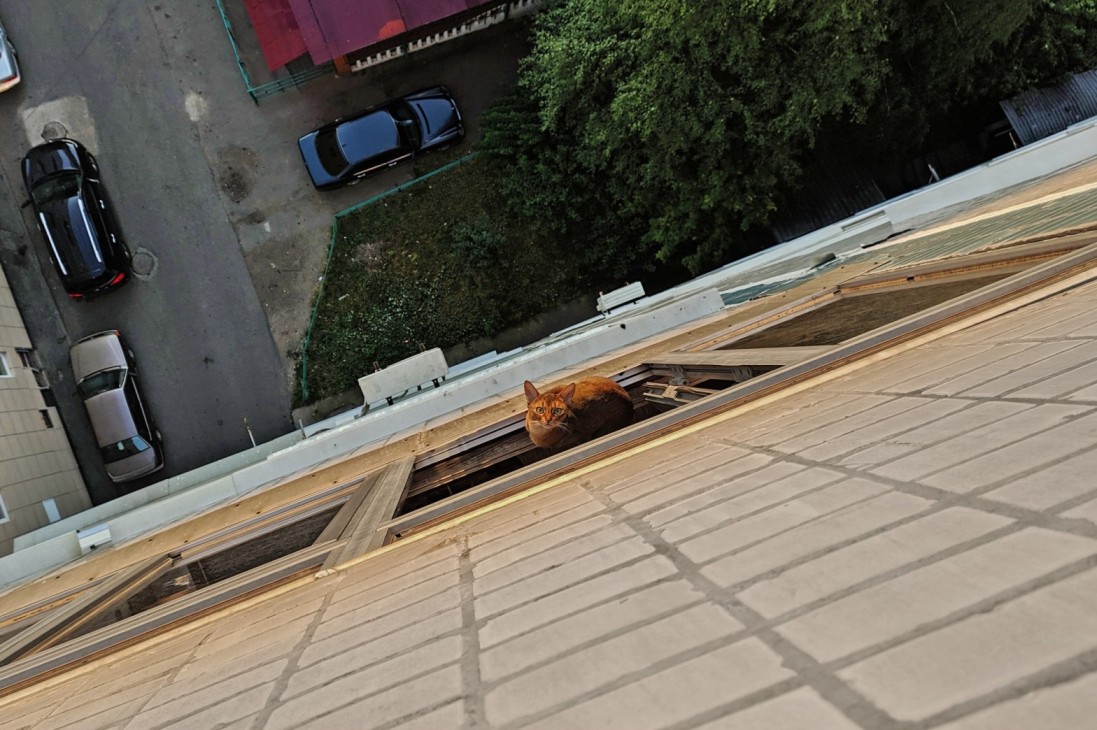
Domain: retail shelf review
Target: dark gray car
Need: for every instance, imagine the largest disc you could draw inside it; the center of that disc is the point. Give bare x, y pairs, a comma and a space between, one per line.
346, 150
106, 376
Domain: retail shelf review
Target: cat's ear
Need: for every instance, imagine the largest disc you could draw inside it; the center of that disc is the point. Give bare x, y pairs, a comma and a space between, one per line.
567, 393
531, 392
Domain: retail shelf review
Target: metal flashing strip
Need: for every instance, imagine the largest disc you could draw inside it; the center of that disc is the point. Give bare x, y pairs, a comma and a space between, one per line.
1073, 269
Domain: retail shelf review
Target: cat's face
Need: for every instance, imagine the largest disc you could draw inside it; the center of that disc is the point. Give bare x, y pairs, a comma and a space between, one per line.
548, 416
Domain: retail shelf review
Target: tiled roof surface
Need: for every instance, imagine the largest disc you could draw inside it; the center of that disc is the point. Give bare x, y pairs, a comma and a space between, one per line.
913, 541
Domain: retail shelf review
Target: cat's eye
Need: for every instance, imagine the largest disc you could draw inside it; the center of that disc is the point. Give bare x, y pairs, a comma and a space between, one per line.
557, 411
539, 409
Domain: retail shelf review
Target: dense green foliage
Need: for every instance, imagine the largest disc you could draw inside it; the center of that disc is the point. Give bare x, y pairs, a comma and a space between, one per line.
432, 265
645, 134
666, 129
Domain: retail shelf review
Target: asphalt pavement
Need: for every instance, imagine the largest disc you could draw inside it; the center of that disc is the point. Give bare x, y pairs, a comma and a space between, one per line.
211, 195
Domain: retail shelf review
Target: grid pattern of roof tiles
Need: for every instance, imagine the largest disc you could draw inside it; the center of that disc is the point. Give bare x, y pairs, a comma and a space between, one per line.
913, 542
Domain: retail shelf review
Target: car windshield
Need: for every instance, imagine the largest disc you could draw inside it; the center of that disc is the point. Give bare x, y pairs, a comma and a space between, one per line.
125, 448
330, 153
58, 187
408, 124
101, 382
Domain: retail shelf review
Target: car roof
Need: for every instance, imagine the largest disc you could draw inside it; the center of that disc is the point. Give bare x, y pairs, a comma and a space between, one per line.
111, 418
368, 136
70, 221
72, 234
94, 353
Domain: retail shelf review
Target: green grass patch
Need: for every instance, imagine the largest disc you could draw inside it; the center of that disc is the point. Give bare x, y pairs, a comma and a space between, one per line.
436, 264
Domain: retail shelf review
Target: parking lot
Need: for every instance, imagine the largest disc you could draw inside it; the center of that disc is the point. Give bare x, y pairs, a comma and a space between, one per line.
211, 195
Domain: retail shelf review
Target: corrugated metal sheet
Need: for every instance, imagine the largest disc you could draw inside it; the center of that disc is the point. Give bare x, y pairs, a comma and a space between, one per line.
1041, 113
333, 28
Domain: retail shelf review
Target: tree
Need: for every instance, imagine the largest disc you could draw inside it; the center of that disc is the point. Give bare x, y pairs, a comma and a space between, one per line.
668, 128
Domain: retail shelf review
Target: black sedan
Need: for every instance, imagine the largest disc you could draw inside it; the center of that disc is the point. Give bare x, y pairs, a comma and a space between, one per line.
76, 218
349, 149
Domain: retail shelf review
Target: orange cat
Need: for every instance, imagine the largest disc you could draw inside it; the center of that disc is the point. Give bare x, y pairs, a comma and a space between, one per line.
571, 414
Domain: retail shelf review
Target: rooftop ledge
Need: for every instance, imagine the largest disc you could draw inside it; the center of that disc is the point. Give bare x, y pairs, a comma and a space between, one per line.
188, 494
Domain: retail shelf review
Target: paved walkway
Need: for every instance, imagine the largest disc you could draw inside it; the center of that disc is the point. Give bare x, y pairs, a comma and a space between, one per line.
908, 545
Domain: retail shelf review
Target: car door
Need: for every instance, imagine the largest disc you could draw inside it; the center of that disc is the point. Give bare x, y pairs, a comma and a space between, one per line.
376, 164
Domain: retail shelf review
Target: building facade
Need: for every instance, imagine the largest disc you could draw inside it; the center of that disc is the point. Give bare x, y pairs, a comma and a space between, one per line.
39, 479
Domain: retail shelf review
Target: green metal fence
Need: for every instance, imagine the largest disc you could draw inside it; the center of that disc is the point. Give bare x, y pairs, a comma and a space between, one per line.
278, 85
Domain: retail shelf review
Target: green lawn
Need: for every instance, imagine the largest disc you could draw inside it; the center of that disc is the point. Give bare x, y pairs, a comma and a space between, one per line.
436, 264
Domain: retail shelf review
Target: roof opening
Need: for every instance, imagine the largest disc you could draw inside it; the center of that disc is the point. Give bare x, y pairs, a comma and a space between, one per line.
504, 447
850, 314
492, 452
186, 577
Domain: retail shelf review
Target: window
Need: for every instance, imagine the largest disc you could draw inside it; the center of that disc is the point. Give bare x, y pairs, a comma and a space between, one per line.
3, 511
124, 449
46, 418
101, 382
50, 506
5, 371
29, 359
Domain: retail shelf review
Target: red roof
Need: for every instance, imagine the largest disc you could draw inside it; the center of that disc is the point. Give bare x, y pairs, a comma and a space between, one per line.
330, 28
275, 25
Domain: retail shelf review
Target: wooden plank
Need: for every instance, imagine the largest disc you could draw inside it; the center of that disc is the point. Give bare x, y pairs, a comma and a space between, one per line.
463, 464
684, 375
337, 527
778, 356
377, 506
481, 436
68, 619
675, 395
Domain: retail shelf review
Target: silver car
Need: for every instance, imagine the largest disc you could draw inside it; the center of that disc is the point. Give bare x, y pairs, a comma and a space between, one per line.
9, 65
106, 377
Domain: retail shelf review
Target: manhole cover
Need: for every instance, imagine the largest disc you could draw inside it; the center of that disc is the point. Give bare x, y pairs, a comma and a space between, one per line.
54, 130
144, 263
